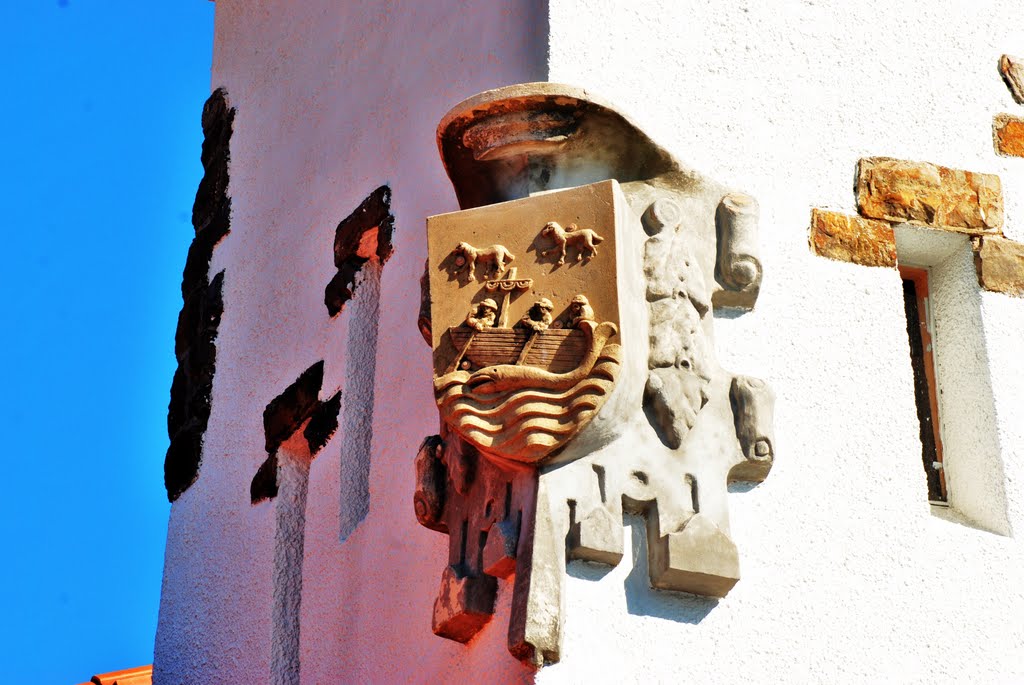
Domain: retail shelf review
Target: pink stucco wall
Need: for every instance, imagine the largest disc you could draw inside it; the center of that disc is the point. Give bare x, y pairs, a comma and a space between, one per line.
332, 101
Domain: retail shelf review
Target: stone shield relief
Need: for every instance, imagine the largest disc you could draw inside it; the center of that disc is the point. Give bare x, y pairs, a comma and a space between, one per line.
570, 310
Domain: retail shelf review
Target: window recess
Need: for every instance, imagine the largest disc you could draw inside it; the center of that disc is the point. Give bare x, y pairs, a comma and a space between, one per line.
920, 333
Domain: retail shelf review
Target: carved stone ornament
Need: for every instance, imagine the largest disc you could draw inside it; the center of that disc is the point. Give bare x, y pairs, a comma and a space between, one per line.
570, 309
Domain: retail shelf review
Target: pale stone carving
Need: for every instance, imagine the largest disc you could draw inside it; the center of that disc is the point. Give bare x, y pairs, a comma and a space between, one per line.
738, 268
586, 409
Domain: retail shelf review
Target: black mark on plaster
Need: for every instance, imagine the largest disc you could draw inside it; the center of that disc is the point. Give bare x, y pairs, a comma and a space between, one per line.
297, 408
363, 236
195, 339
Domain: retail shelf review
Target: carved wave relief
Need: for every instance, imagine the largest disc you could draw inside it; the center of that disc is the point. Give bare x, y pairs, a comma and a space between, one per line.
523, 412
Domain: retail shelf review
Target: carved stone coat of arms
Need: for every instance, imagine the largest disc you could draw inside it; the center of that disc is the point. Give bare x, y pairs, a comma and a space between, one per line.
525, 318
570, 308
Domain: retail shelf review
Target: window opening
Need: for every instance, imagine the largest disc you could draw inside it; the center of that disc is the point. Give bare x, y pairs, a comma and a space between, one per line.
919, 331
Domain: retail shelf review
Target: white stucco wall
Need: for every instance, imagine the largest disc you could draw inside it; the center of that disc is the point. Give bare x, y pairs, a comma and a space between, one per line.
847, 574
332, 101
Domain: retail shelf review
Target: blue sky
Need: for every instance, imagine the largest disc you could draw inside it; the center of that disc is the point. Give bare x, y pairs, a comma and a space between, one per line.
102, 106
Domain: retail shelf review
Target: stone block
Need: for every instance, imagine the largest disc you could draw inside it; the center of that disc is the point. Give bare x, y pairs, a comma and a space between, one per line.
1000, 264
464, 605
597, 537
930, 195
1012, 70
499, 553
852, 239
1008, 134
700, 559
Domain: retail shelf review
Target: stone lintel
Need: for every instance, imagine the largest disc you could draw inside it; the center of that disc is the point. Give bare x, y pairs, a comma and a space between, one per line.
1000, 264
1008, 135
929, 195
852, 239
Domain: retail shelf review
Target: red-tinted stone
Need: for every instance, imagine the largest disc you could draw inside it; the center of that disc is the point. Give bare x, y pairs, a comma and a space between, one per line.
852, 239
1008, 133
927, 194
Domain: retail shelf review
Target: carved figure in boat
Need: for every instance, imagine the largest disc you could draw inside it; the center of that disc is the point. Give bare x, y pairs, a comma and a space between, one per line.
539, 317
520, 393
483, 315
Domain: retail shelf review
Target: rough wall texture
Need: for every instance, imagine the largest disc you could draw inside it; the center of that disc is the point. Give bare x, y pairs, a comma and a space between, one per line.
847, 576
333, 101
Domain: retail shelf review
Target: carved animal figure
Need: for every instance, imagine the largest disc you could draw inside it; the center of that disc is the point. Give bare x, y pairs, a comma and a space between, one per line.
483, 315
580, 311
495, 259
582, 240
538, 318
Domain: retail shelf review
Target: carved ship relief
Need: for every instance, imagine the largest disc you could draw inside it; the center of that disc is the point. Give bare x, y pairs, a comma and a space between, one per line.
521, 392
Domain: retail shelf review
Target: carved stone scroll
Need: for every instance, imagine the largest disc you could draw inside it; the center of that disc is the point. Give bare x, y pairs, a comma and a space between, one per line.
739, 268
574, 371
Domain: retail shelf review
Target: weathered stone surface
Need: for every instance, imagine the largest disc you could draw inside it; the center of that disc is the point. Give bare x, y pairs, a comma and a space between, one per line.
739, 267
499, 552
362, 236
286, 413
753, 406
852, 239
1012, 70
596, 536
930, 195
1000, 264
431, 485
700, 558
1008, 134
299, 407
464, 604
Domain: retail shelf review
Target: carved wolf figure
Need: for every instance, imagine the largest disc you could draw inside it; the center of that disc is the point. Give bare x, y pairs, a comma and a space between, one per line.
582, 239
495, 259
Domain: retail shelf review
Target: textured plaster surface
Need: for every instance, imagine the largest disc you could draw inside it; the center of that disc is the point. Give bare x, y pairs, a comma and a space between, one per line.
846, 575
333, 100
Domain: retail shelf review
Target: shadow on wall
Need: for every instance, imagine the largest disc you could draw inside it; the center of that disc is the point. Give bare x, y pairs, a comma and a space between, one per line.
641, 598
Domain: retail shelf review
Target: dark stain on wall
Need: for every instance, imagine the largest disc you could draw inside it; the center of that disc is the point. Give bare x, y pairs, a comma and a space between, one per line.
363, 235
195, 340
299, 405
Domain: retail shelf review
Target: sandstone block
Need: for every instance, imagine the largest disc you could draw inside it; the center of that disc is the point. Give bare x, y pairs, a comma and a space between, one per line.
597, 537
1008, 134
1012, 70
930, 195
1000, 264
852, 239
464, 605
499, 553
700, 559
